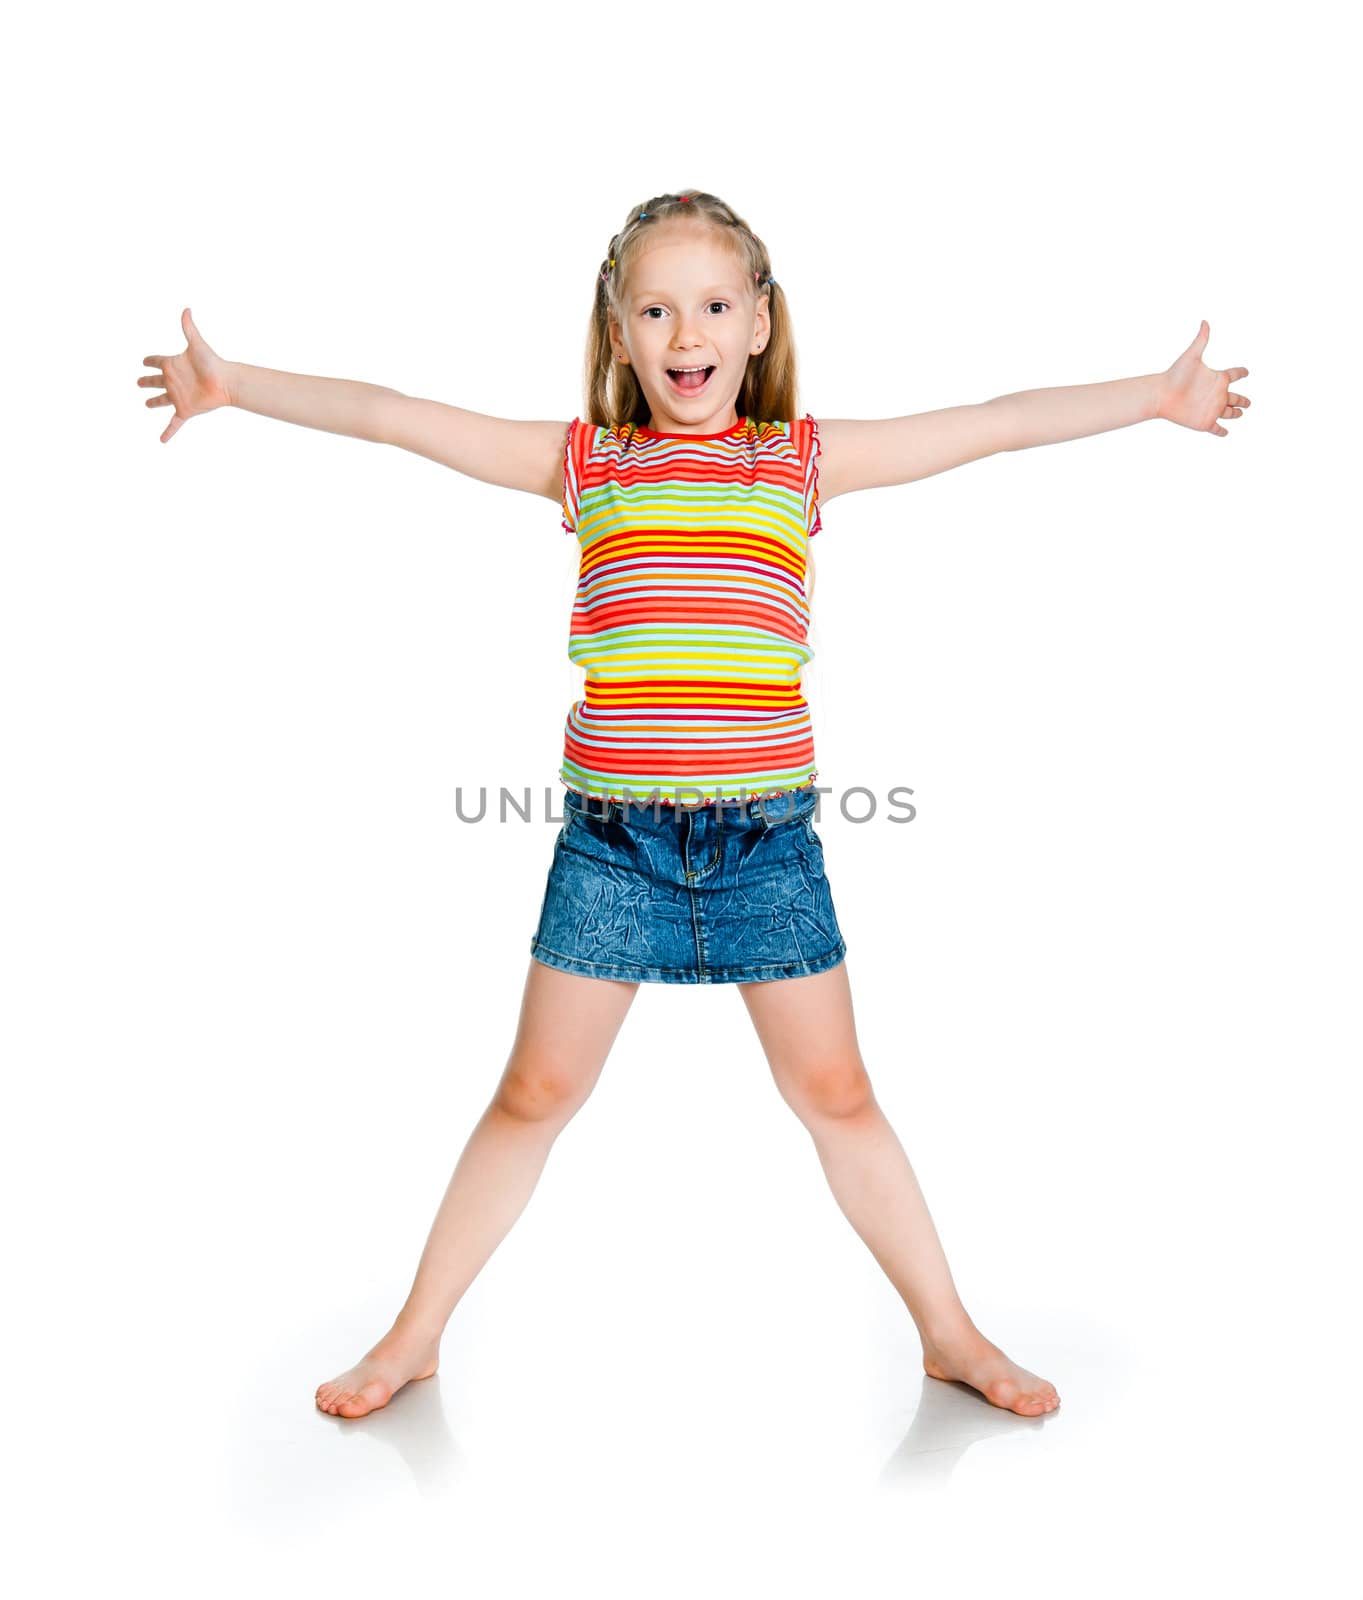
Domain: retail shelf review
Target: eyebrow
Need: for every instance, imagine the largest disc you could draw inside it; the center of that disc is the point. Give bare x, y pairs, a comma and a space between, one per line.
657, 294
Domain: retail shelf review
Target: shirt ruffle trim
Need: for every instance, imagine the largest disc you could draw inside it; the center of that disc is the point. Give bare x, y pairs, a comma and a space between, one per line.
567, 450
814, 448
708, 800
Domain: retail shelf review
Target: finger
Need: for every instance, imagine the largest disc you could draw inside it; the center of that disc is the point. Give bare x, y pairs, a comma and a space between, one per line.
1231, 411
1217, 429
1236, 400
1235, 373
154, 361
176, 423
160, 400
151, 382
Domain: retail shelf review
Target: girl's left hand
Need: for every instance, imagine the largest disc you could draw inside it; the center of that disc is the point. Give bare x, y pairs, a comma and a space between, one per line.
1195, 395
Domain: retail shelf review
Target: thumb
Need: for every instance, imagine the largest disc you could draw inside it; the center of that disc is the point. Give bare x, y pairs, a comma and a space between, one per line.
191, 333
1199, 344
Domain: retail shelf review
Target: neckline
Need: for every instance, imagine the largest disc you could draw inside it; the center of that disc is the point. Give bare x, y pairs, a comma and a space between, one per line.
739, 427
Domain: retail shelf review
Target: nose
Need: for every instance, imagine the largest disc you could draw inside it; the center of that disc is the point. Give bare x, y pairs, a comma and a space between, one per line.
685, 337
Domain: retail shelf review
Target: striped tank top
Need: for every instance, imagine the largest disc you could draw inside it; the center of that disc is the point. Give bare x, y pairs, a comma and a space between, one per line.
690, 616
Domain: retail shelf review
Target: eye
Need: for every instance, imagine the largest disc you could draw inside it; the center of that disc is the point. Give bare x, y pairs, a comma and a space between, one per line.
648, 310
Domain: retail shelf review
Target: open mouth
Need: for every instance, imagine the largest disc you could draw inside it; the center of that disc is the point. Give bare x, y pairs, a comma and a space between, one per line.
689, 382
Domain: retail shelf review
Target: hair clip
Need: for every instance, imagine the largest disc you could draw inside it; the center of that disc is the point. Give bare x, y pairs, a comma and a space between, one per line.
642, 215
682, 199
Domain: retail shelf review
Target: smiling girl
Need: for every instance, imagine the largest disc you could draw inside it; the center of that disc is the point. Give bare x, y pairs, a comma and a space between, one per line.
689, 851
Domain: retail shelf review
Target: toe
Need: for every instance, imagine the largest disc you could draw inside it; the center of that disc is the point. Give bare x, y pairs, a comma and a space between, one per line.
1026, 1402
368, 1398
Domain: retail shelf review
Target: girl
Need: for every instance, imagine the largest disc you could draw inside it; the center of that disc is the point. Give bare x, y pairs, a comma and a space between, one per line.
688, 852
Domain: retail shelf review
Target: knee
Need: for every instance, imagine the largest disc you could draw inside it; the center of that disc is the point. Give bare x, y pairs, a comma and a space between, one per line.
837, 1088
539, 1089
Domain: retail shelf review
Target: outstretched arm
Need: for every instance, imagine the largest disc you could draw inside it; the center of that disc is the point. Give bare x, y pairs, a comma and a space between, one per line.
892, 450
500, 450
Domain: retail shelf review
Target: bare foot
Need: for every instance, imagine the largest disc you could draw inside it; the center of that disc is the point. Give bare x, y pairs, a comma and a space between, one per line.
395, 1360
969, 1358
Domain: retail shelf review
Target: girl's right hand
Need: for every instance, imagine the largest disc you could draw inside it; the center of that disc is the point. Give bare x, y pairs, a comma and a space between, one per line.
194, 381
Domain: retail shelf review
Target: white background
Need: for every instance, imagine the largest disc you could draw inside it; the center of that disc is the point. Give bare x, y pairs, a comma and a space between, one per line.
259, 981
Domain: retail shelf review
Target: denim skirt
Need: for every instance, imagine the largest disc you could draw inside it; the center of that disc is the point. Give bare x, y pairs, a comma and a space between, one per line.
652, 892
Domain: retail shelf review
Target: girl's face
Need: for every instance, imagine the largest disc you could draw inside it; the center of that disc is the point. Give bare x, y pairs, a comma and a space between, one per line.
687, 305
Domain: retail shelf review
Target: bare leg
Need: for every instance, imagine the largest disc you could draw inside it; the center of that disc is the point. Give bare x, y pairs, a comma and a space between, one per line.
809, 1035
567, 1027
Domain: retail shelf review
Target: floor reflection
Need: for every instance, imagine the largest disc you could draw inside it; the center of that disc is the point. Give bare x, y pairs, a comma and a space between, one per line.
950, 1417
414, 1427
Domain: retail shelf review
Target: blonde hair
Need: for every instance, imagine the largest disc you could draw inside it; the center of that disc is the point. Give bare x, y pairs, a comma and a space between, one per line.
611, 392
